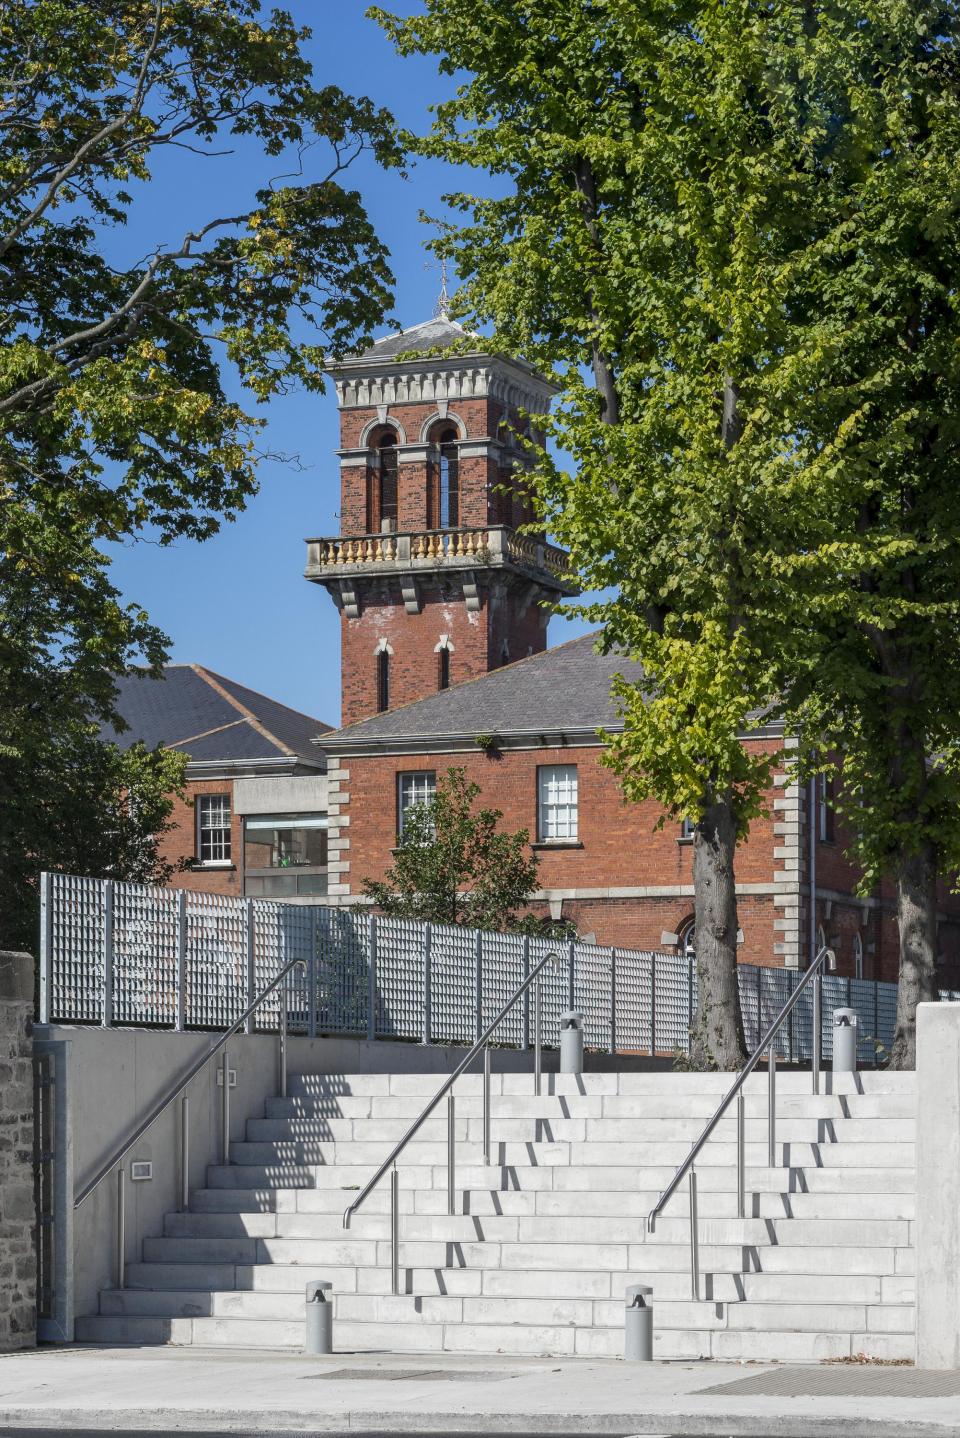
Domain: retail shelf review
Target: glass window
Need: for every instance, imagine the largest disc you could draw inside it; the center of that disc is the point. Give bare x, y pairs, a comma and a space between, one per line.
556, 802
285, 841
685, 940
687, 828
383, 681
443, 668
825, 808
418, 788
213, 828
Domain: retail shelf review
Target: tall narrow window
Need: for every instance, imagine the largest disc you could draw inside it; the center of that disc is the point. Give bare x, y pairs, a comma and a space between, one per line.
443, 483
443, 668
857, 956
557, 802
383, 680
213, 828
388, 483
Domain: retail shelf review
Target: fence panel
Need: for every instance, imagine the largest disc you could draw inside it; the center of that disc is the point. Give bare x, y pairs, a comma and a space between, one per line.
115, 952
145, 949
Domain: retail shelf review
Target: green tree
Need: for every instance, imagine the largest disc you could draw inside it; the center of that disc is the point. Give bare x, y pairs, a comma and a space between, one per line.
737, 221
454, 866
115, 421
83, 807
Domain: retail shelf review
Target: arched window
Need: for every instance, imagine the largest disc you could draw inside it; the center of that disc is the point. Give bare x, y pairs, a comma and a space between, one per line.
382, 485
383, 680
685, 939
443, 482
857, 956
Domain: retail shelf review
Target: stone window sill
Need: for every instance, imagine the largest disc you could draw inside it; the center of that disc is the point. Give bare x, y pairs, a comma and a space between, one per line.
223, 866
557, 844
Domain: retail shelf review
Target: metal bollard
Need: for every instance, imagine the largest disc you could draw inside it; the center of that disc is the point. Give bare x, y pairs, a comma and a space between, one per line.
638, 1324
318, 1335
571, 1042
846, 1034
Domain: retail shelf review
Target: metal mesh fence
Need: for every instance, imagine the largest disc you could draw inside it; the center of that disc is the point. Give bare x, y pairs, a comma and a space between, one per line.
137, 955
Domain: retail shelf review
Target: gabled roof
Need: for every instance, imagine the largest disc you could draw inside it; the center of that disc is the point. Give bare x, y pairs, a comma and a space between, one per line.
436, 333
212, 718
564, 689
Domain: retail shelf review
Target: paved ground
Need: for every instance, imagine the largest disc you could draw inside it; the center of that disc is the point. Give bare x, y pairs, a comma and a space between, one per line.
186, 1391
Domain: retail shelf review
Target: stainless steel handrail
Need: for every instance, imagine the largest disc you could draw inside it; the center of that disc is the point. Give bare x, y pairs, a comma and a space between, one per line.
813, 975
120, 1153
390, 1161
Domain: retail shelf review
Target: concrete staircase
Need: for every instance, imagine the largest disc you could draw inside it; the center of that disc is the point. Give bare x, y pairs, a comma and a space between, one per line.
552, 1232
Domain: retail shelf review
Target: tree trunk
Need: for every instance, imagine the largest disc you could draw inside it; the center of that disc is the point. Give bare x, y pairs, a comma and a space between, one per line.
917, 922
716, 1039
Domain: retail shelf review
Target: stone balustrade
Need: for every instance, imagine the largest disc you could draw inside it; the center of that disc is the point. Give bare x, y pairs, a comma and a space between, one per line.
459, 548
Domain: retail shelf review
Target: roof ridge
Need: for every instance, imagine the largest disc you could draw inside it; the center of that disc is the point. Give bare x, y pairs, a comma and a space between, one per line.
225, 679
213, 680
465, 683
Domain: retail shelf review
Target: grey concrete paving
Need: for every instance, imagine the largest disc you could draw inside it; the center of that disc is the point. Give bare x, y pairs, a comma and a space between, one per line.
201, 1391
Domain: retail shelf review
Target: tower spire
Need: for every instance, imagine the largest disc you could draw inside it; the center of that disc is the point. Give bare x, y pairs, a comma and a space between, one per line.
442, 309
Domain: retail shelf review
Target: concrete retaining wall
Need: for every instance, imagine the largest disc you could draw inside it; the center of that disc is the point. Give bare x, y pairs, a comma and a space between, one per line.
938, 1186
18, 1264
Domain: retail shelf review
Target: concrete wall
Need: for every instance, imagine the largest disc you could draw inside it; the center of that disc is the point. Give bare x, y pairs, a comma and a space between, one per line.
18, 1263
114, 1076
938, 1186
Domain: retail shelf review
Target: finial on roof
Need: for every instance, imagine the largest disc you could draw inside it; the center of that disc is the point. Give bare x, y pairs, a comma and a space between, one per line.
442, 310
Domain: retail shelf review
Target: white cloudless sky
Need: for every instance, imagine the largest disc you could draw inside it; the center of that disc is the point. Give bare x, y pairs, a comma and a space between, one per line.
238, 603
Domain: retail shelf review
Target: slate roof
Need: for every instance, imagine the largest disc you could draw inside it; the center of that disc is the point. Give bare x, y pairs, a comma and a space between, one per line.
213, 718
566, 688
430, 335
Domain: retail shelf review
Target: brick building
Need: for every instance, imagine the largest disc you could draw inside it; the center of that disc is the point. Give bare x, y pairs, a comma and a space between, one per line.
444, 608
255, 816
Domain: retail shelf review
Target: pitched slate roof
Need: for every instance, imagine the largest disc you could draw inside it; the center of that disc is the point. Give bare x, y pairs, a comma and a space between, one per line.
565, 688
432, 334
213, 718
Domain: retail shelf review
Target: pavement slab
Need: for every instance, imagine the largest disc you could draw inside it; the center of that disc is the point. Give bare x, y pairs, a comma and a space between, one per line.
199, 1391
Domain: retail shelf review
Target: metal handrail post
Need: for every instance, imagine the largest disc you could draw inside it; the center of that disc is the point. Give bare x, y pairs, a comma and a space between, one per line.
391, 1158
184, 1154
451, 1155
486, 1103
694, 1240
121, 1230
161, 1106
225, 1110
741, 1156
825, 955
394, 1231
817, 1031
771, 1108
537, 1046
284, 1009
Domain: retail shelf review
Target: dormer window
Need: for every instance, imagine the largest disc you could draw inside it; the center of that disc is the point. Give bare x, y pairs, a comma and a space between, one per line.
443, 482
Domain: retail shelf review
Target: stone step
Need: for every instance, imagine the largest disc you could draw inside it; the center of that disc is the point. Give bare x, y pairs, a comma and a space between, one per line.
649, 1130
423, 1085
306, 1153
395, 1108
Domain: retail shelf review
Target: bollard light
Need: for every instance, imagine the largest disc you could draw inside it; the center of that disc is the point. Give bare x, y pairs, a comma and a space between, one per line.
638, 1323
318, 1336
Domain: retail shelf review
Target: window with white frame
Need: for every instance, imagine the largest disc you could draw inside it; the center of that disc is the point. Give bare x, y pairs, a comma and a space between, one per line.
687, 830
213, 828
556, 802
413, 789
857, 956
685, 939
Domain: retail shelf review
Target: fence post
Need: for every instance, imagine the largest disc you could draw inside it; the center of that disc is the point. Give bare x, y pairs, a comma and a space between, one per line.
427, 980
107, 953
571, 999
526, 997
46, 946
478, 957
372, 981
876, 1022
653, 1005
312, 974
250, 961
181, 960
613, 1001
756, 1039
689, 994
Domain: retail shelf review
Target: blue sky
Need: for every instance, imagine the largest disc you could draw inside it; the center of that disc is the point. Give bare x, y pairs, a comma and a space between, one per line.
238, 602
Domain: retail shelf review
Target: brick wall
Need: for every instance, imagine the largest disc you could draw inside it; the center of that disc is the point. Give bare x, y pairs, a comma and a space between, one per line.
18, 1263
181, 843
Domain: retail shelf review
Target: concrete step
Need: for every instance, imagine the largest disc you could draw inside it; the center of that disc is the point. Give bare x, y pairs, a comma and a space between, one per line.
649, 1130
181, 1275
330, 1087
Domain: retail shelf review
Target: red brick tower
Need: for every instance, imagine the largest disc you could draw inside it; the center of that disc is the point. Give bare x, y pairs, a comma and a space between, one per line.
433, 582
